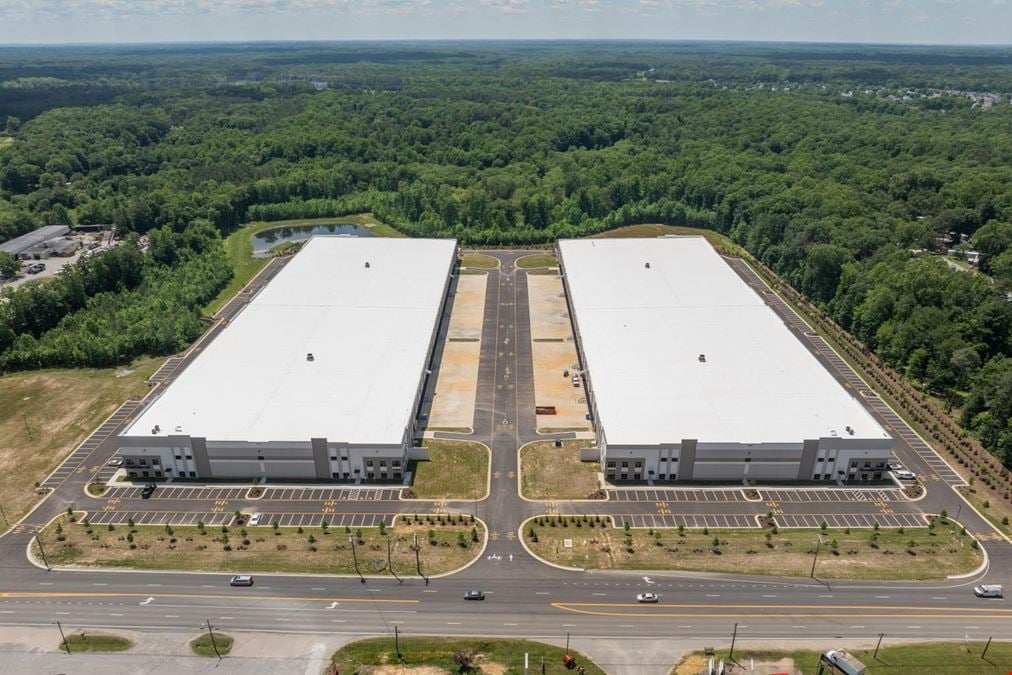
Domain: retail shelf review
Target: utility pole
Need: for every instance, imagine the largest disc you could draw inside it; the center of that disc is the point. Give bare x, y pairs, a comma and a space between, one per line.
986, 647
397, 640
818, 545
64, 637
214, 644
567, 642
418, 561
354, 557
42, 551
734, 636
7, 523
390, 564
880, 636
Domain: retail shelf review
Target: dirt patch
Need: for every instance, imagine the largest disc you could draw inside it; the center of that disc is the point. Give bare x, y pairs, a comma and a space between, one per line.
493, 669
405, 670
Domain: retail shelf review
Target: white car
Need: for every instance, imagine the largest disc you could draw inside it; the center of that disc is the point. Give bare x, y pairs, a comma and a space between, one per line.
905, 475
254, 520
895, 466
115, 461
647, 597
989, 591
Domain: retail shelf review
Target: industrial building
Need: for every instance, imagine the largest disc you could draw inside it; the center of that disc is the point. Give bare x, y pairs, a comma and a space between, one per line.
42, 243
692, 377
319, 377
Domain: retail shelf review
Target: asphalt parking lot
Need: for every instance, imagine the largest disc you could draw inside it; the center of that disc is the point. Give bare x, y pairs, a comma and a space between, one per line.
678, 495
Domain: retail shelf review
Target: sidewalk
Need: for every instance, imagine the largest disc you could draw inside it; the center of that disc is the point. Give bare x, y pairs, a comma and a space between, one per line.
35, 650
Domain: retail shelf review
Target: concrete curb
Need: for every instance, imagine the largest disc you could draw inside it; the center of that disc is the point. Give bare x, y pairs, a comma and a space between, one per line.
523, 542
980, 570
117, 570
520, 482
982, 516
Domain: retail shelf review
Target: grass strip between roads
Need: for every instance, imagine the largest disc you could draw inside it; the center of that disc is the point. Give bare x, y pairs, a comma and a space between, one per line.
47, 413
455, 655
95, 642
454, 470
537, 260
444, 546
937, 658
479, 260
887, 554
203, 645
548, 472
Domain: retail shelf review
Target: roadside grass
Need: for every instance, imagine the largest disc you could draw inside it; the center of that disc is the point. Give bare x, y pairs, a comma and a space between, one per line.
479, 260
548, 472
95, 642
858, 553
263, 548
455, 470
998, 512
239, 248
202, 646
47, 413
937, 658
502, 657
716, 239
537, 260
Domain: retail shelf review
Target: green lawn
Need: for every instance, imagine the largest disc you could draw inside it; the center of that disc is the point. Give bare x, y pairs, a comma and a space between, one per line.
548, 472
479, 260
537, 260
202, 646
95, 642
910, 554
455, 470
503, 657
239, 247
936, 658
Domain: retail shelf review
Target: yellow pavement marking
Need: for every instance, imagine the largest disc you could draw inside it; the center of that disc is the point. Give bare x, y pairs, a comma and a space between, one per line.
14, 594
786, 611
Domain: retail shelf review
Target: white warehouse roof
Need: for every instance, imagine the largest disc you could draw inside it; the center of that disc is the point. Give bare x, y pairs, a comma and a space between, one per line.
368, 329
643, 329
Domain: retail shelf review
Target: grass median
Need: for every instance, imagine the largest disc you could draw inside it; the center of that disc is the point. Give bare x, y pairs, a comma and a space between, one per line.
937, 658
932, 552
444, 546
454, 655
205, 645
478, 260
47, 413
454, 470
548, 472
95, 642
537, 260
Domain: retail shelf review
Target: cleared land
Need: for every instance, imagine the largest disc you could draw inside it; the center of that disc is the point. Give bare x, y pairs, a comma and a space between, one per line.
857, 554
537, 260
204, 646
239, 247
478, 260
47, 413
937, 658
457, 378
548, 472
554, 352
263, 549
434, 656
95, 642
455, 470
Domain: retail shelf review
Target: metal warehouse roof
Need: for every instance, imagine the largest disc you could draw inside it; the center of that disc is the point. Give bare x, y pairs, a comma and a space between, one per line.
643, 330
368, 329
33, 238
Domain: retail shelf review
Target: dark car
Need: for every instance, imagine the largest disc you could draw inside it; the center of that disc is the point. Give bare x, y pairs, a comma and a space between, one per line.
474, 595
148, 490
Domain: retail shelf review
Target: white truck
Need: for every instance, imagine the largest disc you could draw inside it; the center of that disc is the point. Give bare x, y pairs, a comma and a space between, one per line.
844, 662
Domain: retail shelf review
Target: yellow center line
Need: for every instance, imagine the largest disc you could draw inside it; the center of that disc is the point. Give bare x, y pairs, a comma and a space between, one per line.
195, 596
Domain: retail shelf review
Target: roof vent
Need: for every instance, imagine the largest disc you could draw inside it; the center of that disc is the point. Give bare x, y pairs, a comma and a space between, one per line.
647, 265
850, 431
702, 358
178, 429
310, 357
367, 264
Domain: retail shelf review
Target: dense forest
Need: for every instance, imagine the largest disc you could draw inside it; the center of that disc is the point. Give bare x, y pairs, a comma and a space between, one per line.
849, 170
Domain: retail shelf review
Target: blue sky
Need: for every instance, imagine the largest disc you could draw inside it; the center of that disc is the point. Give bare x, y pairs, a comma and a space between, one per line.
902, 21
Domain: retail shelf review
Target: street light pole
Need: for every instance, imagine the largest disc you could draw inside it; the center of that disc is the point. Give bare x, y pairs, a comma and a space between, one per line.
734, 637
210, 633
42, 551
418, 561
390, 564
818, 545
64, 637
354, 557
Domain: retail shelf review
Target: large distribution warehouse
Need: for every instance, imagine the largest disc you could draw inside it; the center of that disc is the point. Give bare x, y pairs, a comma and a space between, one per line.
318, 378
692, 377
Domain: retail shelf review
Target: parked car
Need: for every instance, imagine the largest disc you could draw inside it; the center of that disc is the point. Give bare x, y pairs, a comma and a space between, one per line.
647, 598
148, 490
115, 461
241, 580
895, 466
474, 595
254, 520
905, 475
989, 591
35, 268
